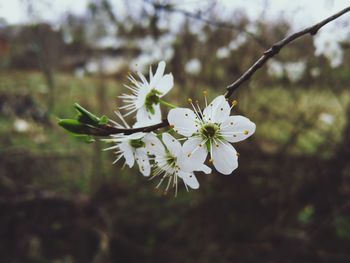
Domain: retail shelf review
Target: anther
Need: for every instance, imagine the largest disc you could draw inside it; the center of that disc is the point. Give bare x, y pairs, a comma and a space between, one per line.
205, 93
234, 103
237, 154
189, 100
211, 160
246, 132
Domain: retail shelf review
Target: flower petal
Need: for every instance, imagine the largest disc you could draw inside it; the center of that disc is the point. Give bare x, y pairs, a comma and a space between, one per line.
143, 161
183, 120
159, 73
144, 118
136, 135
224, 157
157, 116
127, 153
237, 128
189, 179
154, 145
194, 155
173, 145
141, 96
217, 111
141, 117
165, 84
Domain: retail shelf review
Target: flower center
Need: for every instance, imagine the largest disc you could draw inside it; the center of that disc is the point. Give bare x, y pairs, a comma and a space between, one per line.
171, 160
152, 98
137, 143
209, 130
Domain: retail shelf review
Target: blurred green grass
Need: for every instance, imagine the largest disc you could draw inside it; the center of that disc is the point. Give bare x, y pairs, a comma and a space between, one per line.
294, 119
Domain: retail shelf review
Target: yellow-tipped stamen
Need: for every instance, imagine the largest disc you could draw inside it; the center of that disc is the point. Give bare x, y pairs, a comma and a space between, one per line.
205, 93
199, 108
189, 100
194, 109
234, 103
169, 182
237, 154
245, 132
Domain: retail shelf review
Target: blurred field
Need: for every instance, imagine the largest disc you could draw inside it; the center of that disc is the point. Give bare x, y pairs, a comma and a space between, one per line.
300, 122
62, 200
44, 160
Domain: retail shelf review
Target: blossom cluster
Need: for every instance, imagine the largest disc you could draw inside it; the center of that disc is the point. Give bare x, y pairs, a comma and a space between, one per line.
206, 134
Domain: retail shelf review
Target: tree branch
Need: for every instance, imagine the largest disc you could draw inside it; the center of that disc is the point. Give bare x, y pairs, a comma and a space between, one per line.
275, 49
105, 130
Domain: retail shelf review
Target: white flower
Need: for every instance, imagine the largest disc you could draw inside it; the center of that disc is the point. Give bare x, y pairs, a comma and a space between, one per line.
238, 41
132, 147
21, 125
326, 118
223, 52
146, 94
295, 70
211, 131
171, 162
193, 66
275, 68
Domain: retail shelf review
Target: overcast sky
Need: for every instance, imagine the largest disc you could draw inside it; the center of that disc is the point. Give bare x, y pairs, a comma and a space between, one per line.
299, 12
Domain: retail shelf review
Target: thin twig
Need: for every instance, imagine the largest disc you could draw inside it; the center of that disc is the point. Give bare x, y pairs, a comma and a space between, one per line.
106, 130
276, 48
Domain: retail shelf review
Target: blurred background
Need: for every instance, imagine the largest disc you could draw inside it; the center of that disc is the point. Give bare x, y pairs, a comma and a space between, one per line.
62, 200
